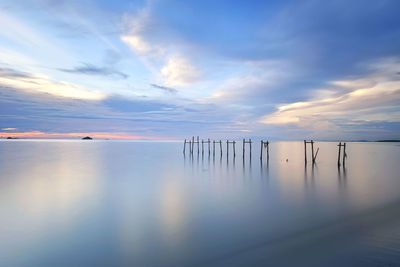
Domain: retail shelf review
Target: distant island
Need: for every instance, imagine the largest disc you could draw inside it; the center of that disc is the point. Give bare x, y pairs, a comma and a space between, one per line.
12, 137
87, 138
388, 141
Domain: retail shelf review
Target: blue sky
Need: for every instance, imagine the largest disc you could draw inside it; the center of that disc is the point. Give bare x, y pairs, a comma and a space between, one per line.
220, 69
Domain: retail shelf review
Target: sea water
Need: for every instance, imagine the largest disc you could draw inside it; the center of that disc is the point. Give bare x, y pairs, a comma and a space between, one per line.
126, 203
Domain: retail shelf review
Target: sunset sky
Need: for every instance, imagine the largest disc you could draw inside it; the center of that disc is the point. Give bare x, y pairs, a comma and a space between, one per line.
327, 70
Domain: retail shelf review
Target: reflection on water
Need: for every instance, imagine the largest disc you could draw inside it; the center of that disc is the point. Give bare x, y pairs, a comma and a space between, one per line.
146, 204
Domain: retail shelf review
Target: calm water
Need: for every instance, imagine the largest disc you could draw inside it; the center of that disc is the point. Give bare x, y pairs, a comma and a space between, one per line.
69, 203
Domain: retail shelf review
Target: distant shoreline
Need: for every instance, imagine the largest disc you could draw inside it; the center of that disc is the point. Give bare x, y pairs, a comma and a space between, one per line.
179, 140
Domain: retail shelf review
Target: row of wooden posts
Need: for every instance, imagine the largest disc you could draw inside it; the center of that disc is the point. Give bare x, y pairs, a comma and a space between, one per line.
314, 156
264, 146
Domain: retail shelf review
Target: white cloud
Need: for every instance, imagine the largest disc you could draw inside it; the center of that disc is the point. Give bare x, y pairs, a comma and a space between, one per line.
179, 72
172, 66
42, 84
136, 29
256, 79
375, 97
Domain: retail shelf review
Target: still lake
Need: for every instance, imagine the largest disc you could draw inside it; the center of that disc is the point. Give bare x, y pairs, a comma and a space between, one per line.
96, 203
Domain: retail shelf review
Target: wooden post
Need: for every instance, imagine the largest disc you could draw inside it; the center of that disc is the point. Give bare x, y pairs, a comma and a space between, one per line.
234, 149
202, 147
305, 151
198, 145
192, 144
227, 148
250, 147
338, 160
184, 146
344, 153
209, 146
267, 150
243, 147
261, 152
213, 148
312, 151
316, 154
220, 146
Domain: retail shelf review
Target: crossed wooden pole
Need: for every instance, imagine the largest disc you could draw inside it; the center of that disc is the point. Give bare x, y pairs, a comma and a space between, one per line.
313, 157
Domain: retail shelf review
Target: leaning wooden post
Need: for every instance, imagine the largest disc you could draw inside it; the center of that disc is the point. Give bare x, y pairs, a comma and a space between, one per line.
344, 153
234, 149
267, 150
202, 147
312, 151
338, 159
316, 154
220, 146
227, 148
184, 146
305, 151
261, 152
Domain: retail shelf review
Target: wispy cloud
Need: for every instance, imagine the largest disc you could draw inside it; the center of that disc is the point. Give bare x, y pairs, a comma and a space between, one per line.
180, 72
165, 88
161, 58
43, 84
89, 69
372, 98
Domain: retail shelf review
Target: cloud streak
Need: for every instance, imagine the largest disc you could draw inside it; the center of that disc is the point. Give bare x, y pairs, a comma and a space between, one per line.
174, 67
89, 69
165, 88
43, 84
371, 98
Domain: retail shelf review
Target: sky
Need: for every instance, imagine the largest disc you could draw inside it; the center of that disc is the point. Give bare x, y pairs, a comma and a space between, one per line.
277, 70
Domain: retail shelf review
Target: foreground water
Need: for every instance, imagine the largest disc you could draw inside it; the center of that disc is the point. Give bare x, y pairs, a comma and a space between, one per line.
70, 203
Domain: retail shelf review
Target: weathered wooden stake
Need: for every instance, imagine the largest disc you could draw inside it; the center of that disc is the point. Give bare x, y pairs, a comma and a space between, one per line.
305, 151
243, 147
233, 146
220, 146
198, 145
184, 146
250, 147
263, 146
314, 158
192, 144
344, 153
312, 151
261, 152
209, 146
213, 148
338, 159
202, 147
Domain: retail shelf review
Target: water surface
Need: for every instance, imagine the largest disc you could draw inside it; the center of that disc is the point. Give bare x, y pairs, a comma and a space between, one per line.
69, 203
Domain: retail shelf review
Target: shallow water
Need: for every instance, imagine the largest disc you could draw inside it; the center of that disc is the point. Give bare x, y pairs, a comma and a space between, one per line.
68, 203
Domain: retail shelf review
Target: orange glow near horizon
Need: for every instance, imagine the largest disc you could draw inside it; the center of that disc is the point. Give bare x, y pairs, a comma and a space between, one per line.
96, 135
